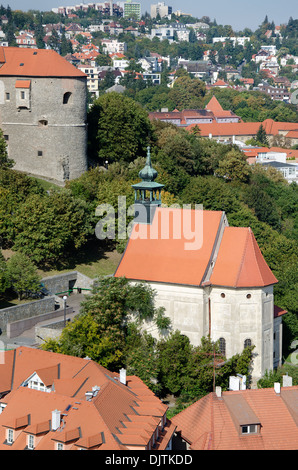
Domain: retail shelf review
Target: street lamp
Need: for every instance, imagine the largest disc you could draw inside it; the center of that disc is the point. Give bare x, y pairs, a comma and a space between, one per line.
64, 300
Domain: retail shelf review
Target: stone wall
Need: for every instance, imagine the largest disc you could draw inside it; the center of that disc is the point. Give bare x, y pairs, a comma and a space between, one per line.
45, 136
16, 328
61, 283
27, 310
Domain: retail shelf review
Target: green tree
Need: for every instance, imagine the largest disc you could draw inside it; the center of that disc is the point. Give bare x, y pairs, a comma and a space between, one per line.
5, 162
4, 277
50, 229
101, 329
119, 129
234, 167
22, 274
261, 136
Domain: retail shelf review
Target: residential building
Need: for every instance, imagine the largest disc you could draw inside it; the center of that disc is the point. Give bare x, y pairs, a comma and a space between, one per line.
288, 170
213, 112
250, 419
276, 93
131, 9
43, 113
51, 401
26, 39
240, 41
112, 46
164, 32
160, 9
243, 131
210, 278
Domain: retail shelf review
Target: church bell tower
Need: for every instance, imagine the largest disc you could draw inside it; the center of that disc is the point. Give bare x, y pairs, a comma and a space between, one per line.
147, 193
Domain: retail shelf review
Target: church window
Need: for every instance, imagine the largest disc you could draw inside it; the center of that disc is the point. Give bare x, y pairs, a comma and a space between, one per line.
222, 295
39, 153
23, 95
222, 346
247, 343
248, 296
66, 97
7, 96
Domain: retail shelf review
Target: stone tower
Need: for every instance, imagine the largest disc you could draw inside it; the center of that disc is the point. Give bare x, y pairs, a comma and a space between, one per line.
43, 113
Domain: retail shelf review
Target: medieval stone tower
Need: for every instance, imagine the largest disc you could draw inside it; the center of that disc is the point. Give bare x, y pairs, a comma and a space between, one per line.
43, 113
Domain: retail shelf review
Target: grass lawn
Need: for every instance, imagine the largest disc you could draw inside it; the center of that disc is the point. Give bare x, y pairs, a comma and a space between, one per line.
92, 261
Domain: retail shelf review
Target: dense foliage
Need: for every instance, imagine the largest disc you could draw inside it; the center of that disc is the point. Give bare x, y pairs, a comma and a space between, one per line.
108, 330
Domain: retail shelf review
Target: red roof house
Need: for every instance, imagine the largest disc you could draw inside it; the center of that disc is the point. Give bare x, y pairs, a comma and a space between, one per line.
255, 419
52, 401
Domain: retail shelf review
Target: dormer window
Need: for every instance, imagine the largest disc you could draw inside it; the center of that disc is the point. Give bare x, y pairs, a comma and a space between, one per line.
30, 443
251, 429
9, 437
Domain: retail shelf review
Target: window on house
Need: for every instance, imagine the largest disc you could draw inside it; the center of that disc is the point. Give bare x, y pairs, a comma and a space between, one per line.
59, 446
7, 95
222, 346
247, 343
30, 441
251, 429
10, 436
39, 153
23, 95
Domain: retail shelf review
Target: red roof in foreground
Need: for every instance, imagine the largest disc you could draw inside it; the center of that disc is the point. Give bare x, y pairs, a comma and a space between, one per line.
27, 62
213, 423
115, 417
163, 252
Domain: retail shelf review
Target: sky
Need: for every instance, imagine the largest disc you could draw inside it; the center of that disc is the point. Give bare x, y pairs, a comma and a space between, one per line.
239, 14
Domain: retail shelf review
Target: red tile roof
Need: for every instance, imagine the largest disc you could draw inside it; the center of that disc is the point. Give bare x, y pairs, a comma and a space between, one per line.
103, 421
159, 256
158, 252
24, 62
240, 262
243, 128
210, 424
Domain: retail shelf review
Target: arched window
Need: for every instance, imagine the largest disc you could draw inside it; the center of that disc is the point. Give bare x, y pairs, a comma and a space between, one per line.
222, 346
66, 97
247, 343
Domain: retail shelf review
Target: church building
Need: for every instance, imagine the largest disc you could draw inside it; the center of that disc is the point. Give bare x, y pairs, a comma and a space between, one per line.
211, 278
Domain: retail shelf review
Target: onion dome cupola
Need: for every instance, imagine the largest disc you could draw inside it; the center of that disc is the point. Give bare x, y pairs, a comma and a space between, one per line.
147, 191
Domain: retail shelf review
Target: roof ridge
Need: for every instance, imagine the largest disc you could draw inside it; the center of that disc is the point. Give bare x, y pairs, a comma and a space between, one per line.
242, 257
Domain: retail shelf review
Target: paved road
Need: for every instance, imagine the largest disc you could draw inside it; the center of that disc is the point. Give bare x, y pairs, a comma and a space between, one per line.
28, 337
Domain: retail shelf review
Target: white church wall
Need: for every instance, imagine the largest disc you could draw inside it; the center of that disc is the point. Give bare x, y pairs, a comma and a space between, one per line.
236, 315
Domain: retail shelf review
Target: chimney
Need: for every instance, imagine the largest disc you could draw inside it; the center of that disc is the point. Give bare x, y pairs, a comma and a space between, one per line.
287, 381
56, 417
123, 376
218, 392
277, 388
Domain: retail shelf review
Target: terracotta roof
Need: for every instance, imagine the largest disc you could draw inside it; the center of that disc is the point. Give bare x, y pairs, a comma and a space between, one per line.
97, 422
23, 84
243, 128
240, 262
211, 423
158, 252
24, 62
214, 105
